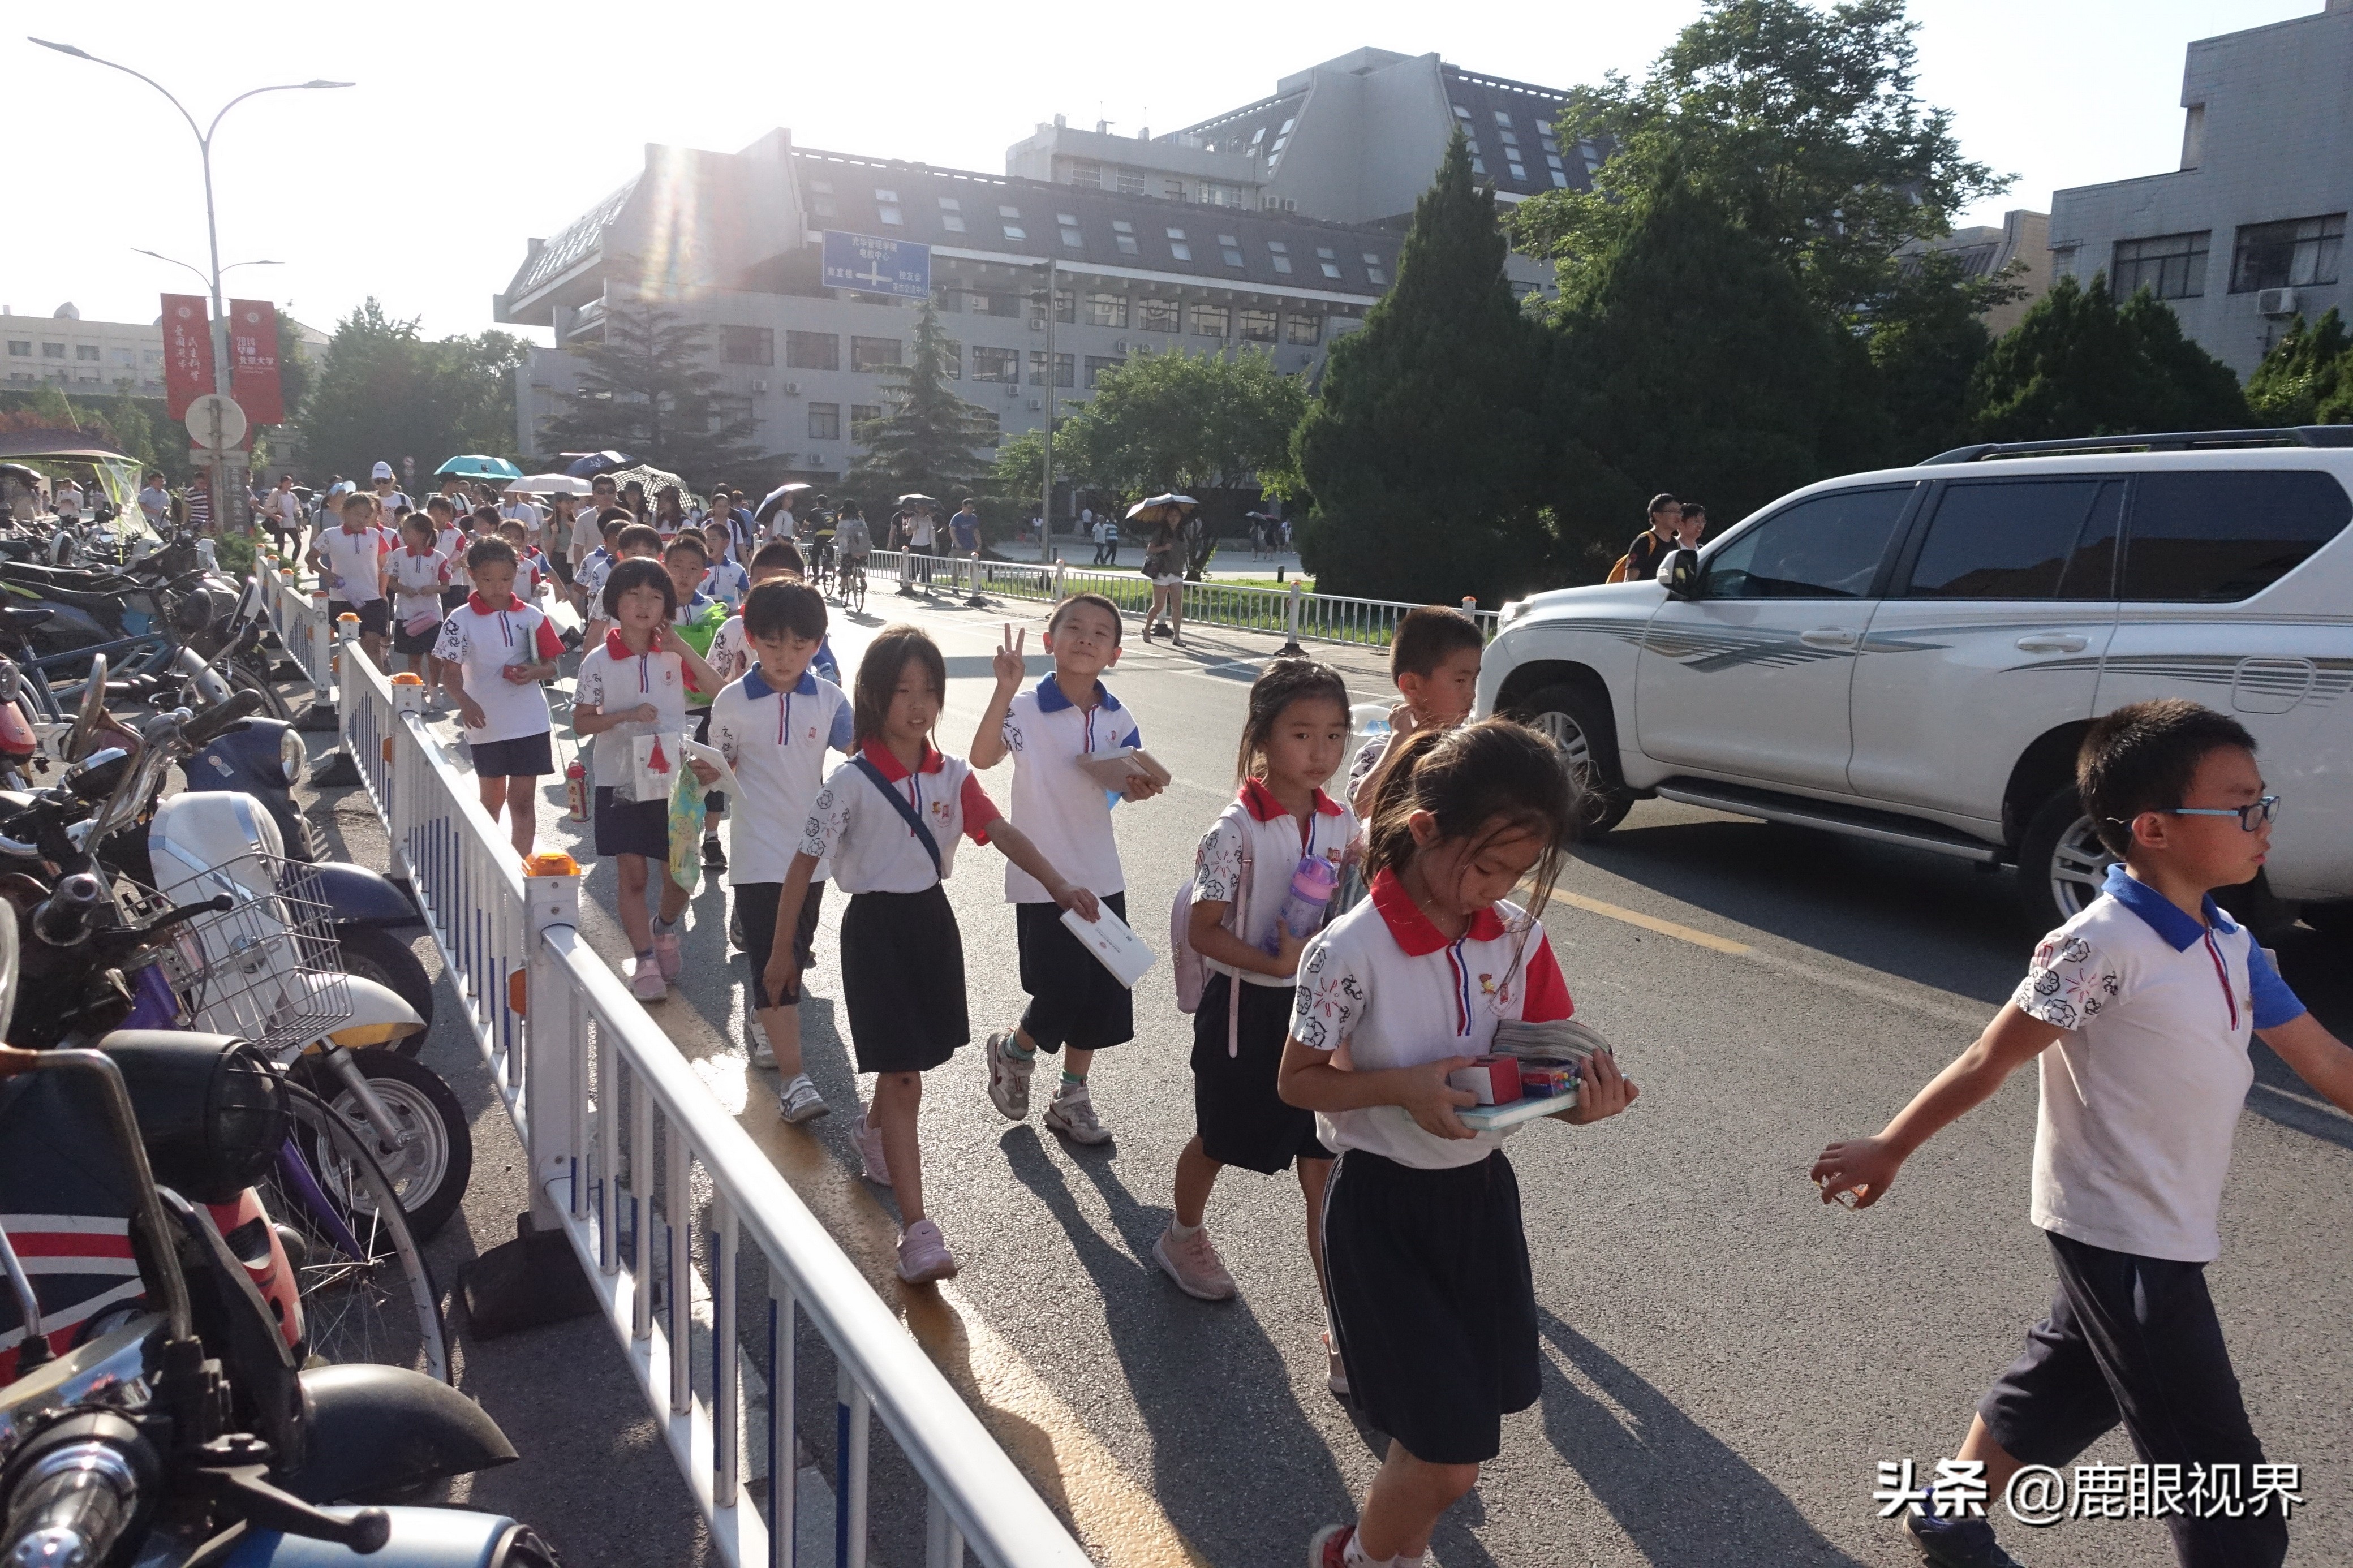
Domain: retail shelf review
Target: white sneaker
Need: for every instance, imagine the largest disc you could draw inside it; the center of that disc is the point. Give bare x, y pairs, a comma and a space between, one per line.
799, 1101
868, 1139
1073, 1114
755, 1039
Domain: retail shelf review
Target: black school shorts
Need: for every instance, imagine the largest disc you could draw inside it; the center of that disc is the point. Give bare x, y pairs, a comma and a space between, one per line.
375, 615
757, 902
1073, 1000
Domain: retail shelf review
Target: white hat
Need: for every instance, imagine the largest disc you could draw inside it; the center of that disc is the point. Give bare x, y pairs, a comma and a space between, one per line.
381, 471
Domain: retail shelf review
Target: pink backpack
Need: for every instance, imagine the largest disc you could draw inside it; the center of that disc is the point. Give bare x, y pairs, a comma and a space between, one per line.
1192, 970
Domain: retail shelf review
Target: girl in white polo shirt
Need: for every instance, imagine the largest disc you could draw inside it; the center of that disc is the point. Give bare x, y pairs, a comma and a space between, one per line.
1429, 1289
888, 819
494, 651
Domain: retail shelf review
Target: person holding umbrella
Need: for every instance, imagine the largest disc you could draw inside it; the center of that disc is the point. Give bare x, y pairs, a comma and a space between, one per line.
1164, 560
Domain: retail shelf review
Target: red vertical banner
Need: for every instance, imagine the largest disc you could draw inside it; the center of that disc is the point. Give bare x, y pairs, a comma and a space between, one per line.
253, 361
187, 351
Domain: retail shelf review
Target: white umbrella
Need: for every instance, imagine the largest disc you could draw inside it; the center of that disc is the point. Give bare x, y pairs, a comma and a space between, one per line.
1149, 507
549, 485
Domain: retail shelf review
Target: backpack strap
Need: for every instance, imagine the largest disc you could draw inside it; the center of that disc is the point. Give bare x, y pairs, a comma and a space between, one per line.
1235, 983
907, 812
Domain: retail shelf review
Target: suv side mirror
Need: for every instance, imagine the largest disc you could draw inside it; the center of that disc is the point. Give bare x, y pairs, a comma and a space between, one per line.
1679, 574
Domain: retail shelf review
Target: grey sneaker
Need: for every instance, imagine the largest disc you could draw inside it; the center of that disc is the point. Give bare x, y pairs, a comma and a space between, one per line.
1073, 1114
1957, 1542
799, 1101
1008, 1079
1194, 1264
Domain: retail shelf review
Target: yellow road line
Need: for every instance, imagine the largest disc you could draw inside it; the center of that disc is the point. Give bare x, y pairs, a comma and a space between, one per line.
1691, 934
1120, 1522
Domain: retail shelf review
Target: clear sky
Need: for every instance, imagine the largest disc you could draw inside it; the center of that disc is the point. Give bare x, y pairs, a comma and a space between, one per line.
475, 126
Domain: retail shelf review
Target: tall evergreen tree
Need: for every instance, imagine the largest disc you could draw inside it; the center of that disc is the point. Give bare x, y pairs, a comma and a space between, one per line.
2308, 371
2079, 364
928, 439
645, 391
1423, 451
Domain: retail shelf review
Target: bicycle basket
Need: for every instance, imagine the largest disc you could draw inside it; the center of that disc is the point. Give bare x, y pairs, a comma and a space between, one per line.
266, 968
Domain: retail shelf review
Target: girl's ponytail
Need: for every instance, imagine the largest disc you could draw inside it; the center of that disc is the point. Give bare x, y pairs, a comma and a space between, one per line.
1388, 841
1492, 776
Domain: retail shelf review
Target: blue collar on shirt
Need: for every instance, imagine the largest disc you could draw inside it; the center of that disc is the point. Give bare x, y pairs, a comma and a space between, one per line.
1053, 698
756, 685
2163, 915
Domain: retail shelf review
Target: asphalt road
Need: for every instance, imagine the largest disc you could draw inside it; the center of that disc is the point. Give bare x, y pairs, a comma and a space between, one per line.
1726, 1359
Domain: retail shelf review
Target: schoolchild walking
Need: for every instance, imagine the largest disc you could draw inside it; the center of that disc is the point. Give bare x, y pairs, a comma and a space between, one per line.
888, 820
634, 541
636, 682
1430, 1293
596, 564
494, 651
414, 575
1243, 872
775, 725
1434, 664
350, 561
2139, 1009
1077, 1008
698, 616
731, 654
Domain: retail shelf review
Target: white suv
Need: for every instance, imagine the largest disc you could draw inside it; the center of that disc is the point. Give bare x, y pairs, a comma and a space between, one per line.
1913, 655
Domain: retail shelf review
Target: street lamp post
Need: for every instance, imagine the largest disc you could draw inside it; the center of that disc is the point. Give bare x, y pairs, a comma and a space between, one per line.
227, 499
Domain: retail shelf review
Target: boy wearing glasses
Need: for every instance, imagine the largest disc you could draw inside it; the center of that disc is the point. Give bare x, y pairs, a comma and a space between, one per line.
2139, 1008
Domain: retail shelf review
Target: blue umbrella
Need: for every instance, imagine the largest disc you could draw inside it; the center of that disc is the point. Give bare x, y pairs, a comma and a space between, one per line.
477, 467
590, 464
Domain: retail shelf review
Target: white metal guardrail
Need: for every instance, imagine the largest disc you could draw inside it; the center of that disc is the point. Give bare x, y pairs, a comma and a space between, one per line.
1292, 610
616, 1124
300, 619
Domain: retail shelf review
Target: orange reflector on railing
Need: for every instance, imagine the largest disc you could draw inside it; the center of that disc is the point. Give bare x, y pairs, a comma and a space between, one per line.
515, 989
387, 749
347, 615
551, 863
405, 678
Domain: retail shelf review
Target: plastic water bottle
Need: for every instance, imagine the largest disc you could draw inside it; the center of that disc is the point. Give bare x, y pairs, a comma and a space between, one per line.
1311, 886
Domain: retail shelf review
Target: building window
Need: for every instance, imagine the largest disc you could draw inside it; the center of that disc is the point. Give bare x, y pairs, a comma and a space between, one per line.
1472, 146
1258, 326
127, 358
1065, 369
1069, 224
85, 351
2287, 255
2170, 266
825, 421
1510, 139
1478, 166
1123, 234
1107, 311
1131, 182
953, 352
1544, 128
1287, 125
980, 302
1519, 172
952, 214
1010, 217
1502, 118
1066, 305
1552, 161
1097, 364
53, 351
1231, 246
1177, 245
1325, 259
1461, 112
1211, 321
996, 364
1303, 330
1086, 172
20, 348
1560, 179
886, 208
873, 353
738, 345
862, 415
1156, 316
812, 350
1175, 190
1258, 135
1280, 253
1373, 273
821, 203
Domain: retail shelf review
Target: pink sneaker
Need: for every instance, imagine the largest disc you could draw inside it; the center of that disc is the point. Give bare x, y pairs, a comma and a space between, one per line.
1194, 1264
868, 1139
667, 954
646, 981
923, 1255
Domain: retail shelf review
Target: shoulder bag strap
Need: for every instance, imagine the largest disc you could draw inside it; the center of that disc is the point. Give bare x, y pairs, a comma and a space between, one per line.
1235, 983
907, 812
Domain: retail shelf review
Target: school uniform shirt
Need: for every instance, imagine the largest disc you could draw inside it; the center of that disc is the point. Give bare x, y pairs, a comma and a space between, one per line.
594, 567
1256, 827
1382, 987
612, 676
727, 583
871, 847
535, 572
454, 542
352, 562
416, 582
1063, 809
776, 742
484, 638
2141, 1095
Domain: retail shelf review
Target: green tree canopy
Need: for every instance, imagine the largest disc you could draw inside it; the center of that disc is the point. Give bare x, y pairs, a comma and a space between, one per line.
386, 393
644, 391
2307, 376
1178, 422
2079, 364
928, 439
1423, 451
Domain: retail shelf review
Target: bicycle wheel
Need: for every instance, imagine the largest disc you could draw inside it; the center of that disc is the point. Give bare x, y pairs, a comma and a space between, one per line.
366, 1293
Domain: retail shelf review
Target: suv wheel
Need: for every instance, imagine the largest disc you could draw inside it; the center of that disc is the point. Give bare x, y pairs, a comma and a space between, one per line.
2061, 861
1588, 748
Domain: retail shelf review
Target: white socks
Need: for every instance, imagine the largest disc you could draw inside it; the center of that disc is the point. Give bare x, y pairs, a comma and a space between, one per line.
1354, 1557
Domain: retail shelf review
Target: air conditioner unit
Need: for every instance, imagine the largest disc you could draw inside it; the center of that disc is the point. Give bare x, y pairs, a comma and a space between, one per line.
792, 389
759, 387
1037, 323
2277, 304
1012, 389
1036, 405
1121, 346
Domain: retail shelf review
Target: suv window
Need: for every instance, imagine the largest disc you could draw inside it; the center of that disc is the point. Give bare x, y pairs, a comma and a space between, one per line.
2219, 535
1826, 547
2018, 538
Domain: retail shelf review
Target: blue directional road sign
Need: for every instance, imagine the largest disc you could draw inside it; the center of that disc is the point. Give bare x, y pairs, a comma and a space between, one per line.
872, 265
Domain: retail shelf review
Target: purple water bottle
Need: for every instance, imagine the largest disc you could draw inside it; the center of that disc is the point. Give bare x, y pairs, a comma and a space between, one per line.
1311, 886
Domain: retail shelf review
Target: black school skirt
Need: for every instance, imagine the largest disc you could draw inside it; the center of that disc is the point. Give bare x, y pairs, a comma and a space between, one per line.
903, 980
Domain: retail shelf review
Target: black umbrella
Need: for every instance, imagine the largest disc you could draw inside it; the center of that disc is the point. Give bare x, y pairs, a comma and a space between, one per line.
588, 465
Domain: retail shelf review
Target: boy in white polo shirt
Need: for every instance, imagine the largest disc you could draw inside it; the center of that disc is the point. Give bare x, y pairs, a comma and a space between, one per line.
2140, 1008
775, 726
1074, 1001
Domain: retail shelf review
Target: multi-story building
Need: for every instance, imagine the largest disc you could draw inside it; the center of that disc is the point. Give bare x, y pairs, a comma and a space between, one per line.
2249, 232
88, 358
2021, 240
1159, 244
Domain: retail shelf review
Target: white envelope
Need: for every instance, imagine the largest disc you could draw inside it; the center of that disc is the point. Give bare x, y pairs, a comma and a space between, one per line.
1116, 947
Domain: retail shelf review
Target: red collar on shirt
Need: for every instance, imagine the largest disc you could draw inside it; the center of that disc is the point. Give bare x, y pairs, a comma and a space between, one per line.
1259, 802
1411, 928
617, 648
483, 606
892, 768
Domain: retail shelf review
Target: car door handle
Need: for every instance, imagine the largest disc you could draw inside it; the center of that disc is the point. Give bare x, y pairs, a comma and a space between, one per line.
2053, 642
1828, 636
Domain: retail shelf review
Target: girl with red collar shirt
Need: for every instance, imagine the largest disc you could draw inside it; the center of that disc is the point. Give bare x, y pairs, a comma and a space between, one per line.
1430, 1293
1292, 742
493, 652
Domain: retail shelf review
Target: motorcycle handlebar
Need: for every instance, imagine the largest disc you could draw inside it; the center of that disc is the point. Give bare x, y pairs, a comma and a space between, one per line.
205, 726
